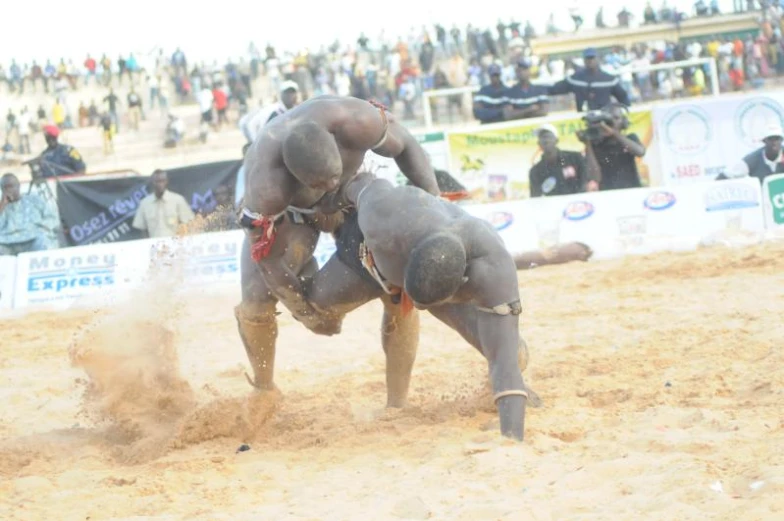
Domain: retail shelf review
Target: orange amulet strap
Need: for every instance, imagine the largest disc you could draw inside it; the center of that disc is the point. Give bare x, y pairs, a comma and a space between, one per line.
455, 196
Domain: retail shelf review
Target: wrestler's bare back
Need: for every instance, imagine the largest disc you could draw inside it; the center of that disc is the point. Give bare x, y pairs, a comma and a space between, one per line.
270, 187
394, 219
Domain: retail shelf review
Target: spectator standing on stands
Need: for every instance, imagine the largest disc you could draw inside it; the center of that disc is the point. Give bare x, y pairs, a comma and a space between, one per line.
205, 99
162, 212
592, 87
27, 223
489, 102
23, 126
558, 172
524, 99
112, 101
134, 109
58, 159
107, 130
612, 159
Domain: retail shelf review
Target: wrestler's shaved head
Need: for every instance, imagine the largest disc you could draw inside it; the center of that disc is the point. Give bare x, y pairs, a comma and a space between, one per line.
312, 155
435, 268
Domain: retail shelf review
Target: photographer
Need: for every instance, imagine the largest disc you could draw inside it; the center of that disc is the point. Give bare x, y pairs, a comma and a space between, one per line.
559, 172
610, 155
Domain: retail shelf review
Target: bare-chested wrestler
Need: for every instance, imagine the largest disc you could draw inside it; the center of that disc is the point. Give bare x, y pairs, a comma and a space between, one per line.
296, 160
435, 256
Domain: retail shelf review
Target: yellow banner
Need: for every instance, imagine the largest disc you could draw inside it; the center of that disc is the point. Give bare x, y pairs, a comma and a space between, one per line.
494, 163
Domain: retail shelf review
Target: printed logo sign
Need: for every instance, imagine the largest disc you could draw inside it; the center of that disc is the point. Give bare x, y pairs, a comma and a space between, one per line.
578, 210
500, 220
775, 193
730, 196
687, 130
660, 200
753, 116
61, 274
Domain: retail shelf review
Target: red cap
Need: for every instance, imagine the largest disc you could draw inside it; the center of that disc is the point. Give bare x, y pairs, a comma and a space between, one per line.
51, 130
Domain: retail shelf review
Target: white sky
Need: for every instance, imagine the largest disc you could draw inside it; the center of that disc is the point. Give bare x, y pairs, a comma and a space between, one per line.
38, 29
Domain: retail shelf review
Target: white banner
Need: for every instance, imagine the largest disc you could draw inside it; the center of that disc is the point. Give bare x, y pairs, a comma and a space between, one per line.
701, 139
514, 222
7, 277
59, 277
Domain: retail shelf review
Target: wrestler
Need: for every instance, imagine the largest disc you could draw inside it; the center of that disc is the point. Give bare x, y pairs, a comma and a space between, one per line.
298, 158
433, 255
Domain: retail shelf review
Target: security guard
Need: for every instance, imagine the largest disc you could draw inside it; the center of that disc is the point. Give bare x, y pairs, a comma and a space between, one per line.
525, 99
58, 160
490, 101
591, 85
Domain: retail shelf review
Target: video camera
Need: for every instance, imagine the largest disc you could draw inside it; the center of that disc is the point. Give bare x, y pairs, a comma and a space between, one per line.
593, 121
36, 175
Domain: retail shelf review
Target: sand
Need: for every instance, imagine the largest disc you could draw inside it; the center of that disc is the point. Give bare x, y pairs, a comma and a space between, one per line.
661, 378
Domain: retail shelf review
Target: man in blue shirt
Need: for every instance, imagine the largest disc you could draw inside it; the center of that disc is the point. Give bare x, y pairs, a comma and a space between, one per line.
490, 101
592, 86
524, 99
26, 223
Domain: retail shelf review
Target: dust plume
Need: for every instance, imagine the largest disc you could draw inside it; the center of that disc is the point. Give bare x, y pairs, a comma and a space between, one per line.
134, 383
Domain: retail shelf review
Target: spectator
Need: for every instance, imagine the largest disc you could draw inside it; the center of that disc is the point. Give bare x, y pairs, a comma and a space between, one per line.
558, 172
766, 160
206, 99
252, 122
611, 160
162, 212
23, 127
223, 217
591, 86
59, 159
112, 101
134, 108
524, 99
489, 102
107, 130
27, 223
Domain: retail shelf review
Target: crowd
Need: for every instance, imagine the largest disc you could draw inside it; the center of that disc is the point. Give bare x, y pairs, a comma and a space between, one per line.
393, 73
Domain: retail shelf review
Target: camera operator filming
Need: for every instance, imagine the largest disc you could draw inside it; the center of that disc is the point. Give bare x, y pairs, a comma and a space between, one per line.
609, 154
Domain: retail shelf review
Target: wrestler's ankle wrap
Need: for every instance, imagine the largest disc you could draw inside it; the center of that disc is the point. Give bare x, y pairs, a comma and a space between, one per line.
259, 331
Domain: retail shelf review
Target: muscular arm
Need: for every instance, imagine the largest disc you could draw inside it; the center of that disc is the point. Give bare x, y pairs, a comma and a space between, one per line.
493, 281
365, 127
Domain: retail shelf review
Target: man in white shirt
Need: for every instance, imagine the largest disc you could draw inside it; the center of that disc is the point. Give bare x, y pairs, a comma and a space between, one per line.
23, 130
162, 212
205, 99
253, 122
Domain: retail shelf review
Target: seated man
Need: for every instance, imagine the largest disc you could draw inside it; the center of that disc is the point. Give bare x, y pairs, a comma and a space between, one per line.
27, 223
435, 256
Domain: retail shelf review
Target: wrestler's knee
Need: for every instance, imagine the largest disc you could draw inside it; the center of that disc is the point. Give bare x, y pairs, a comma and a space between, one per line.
256, 312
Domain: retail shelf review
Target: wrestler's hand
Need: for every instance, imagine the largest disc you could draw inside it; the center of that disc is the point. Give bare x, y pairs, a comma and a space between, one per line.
322, 324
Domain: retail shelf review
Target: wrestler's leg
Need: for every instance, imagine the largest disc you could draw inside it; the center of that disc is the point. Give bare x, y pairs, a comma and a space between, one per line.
558, 254
400, 340
338, 289
256, 321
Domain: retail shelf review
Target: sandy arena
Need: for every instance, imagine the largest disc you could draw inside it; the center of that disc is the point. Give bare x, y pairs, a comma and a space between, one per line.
662, 379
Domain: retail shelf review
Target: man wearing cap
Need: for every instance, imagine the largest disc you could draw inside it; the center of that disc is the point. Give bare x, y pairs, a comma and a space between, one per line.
253, 122
764, 161
591, 86
58, 159
559, 172
524, 99
490, 101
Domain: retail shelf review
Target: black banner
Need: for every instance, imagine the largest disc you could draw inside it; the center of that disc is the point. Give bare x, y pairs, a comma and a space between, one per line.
102, 210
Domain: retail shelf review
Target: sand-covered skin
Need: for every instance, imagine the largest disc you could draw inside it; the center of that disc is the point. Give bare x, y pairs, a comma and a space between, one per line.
662, 379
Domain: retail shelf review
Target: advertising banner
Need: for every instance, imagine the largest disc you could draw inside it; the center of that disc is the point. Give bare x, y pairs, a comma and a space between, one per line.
102, 210
493, 163
701, 139
7, 278
435, 146
773, 201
